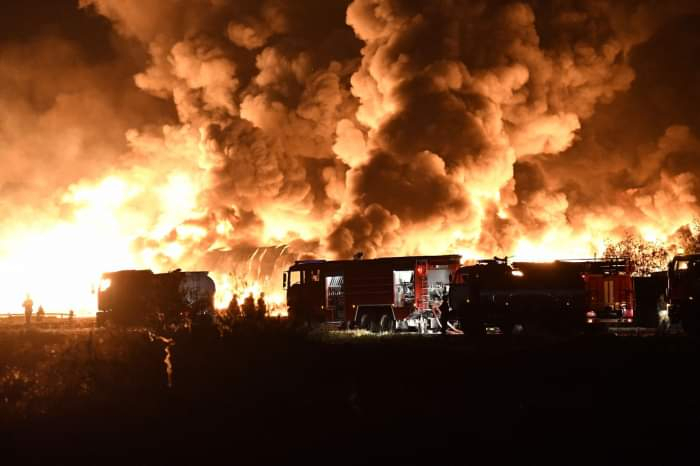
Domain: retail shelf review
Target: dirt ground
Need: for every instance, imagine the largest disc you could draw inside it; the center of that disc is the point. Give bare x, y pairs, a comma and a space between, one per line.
271, 395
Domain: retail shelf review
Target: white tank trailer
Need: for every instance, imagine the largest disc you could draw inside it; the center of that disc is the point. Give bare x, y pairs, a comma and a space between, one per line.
141, 297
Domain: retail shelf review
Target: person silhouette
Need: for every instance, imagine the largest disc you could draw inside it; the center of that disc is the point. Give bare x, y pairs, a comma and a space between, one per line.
444, 313
28, 305
234, 310
249, 306
262, 307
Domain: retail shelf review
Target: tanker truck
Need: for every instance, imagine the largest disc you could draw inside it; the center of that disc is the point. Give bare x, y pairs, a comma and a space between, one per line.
531, 298
561, 297
144, 298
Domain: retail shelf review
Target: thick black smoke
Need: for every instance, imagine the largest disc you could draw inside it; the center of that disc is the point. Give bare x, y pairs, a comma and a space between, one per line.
388, 126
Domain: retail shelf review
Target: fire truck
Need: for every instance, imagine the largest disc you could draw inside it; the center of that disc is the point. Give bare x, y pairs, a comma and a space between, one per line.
561, 296
684, 292
384, 294
141, 297
650, 309
610, 291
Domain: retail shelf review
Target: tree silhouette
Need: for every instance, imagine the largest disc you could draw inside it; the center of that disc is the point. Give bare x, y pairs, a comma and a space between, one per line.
688, 238
646, 256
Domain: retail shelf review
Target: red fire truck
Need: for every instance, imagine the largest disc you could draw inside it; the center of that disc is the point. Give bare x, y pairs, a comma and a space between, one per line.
609, 290
391, 293
684, 292
560, 296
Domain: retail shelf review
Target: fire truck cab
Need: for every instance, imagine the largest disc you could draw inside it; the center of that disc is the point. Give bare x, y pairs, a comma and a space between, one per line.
384, 294
684, 292
610, 291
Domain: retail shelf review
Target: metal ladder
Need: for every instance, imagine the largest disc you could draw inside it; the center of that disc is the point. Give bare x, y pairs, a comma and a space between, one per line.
422, 281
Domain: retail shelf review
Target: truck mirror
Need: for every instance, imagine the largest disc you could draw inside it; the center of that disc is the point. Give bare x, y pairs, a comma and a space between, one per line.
284, 280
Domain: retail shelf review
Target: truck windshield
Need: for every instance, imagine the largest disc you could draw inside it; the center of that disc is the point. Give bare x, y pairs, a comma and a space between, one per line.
294, 277
687, 264
682, 265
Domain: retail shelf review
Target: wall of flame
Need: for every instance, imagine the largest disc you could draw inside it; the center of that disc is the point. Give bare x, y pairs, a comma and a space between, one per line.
236, 137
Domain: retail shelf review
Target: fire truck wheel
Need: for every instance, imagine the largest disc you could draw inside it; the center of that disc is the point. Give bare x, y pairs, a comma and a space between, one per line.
365, 322
386, 323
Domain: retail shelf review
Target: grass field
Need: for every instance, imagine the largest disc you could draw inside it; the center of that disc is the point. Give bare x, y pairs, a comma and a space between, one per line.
271, 395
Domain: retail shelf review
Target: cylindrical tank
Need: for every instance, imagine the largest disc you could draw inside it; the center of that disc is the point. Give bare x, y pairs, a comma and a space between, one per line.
197, 290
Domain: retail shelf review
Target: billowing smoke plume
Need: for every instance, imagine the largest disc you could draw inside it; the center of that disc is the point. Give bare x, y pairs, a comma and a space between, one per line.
266, 85
64, 111
458, 96
400, 126
382, 126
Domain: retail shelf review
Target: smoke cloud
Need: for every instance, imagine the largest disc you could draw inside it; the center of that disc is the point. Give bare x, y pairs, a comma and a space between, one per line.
65, 109
382, 126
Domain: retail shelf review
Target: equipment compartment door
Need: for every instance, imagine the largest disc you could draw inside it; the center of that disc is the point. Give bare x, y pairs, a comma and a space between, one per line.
335, 297
404, 289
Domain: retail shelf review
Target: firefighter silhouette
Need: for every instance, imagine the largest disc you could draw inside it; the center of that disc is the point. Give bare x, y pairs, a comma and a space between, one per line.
262, 307
40, 313
234, 310
28, 305
444, 313
249, 307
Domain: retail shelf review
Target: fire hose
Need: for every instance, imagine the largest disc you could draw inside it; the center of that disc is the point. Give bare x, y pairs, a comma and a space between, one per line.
449, 326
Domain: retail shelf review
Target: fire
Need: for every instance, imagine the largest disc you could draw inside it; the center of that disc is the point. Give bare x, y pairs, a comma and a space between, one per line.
551, 248
59, 264
383, 147
20, 276
227, 285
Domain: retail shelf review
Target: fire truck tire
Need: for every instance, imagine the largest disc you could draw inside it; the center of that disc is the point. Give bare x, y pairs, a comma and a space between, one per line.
365, 322
386, 323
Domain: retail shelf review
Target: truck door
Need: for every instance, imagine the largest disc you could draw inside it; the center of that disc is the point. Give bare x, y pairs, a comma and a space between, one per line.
295, 295
314, 291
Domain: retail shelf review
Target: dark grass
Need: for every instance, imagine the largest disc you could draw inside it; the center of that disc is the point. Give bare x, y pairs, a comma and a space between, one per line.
270, 395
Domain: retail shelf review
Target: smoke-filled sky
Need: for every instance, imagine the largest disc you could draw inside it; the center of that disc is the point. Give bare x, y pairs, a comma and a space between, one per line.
175, 128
